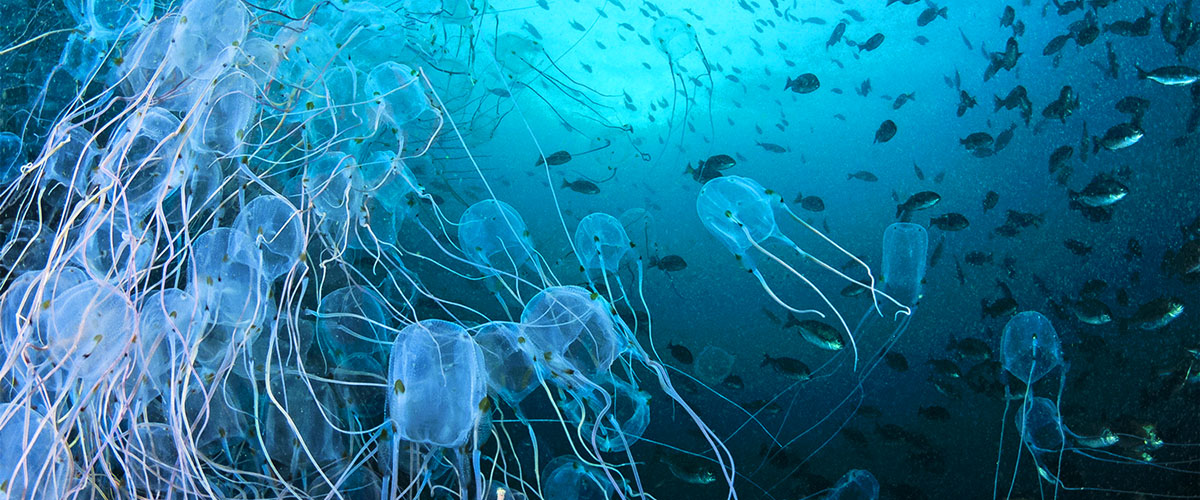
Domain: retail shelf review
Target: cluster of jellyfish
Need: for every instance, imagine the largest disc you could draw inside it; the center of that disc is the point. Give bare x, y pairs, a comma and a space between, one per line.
210, 288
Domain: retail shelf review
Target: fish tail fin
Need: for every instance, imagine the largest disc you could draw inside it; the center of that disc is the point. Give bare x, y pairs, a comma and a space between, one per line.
1141, 73
899, 211
788, 85
1095, 145
943, 12
565, 184
999, 103
766, 360
983, 308
849, 176
791, 320
689, 169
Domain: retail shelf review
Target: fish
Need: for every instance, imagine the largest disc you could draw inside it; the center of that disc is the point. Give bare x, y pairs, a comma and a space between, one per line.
789, 367
969, 349
919, 201
1003, 306
896, 361
773, 148
990, 200
853, 290
952, 221
918, 172
555, 158
977, 140
817, 333
1134, 106
681, 354
855, 15
885, 132
872, 43
902, 99
1156, 314
1169, 75
669, 263
582, 186
1004, 138
1006, 18
945, 368
929, 14
934, 413
810, 203
921, 39
978, 258
1104, 190
862, 175
1066, 104
1056, 44
702, 173
1015, 98
733, 382
813, 20
965, 102
965, 41
686, 468
1077, 247
803, 84
1120, 136
836, 37
1090, 311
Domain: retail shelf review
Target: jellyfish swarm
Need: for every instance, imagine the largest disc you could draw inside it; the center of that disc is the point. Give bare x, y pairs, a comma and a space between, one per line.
676, 39
741, 214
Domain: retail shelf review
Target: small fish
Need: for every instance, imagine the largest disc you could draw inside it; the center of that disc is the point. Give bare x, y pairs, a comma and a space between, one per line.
872, 43
686, 468
669, 263
919, 201
1156, 314
970, 349
810, 203
1006, 18
788, 367
555, 158
921, 40
934, 413
1120, 136
855, 15
896, 361
1104, 190
1170, 75
836, 37
929, 14
965, 102
733, 382
1077, 247
681, 354
902, 99
773, 148
978, 258
1091, 311
817, 333
990, 200
582, 186
952, 221
862, 175
886, 131
945, 368
1056, 44
803, 84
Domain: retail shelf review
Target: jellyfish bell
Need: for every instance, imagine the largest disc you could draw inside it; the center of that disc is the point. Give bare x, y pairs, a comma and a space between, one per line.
905, 249
674, 37
493, 236
856, 484
34, 459
511, 372
570, 329
1029, 347
568, 478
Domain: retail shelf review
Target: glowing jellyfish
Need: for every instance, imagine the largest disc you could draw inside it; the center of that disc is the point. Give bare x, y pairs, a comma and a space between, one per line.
905, 253
1029, 347
352, 325
602, 246
857, 484
674, 37
613, 422
740, 213
714, 364
272, 233
233, 291
568, 478
571, 330
436, 384
493, 236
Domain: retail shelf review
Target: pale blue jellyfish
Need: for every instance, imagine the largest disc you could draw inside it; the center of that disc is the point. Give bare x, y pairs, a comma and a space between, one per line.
34, 461
568, 478
856, 484
493, 237
1029, 347
511, 372
436, 389
905, 253
572, 331
273, 229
